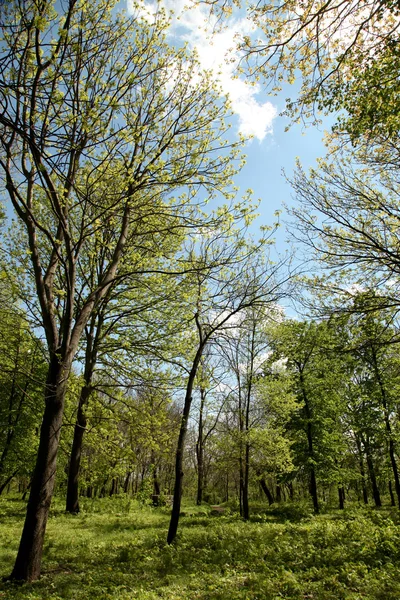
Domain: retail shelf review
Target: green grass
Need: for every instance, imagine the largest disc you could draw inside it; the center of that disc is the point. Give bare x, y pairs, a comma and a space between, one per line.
117, 550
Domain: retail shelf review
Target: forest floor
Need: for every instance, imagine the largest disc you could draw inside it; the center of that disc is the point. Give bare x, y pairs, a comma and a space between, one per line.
116, 550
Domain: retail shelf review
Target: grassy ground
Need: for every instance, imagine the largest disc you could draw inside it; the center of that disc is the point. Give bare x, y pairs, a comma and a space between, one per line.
117, 550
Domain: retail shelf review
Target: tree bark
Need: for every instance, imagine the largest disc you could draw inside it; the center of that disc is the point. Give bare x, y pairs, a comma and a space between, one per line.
114, 487
362, 470
28, 561
341, 497
246, 511
388, 427
310, 444
266, 491
72, 504
7, 481
127, 482
291, 490
93, 333
371, 471
200, 451
176, 505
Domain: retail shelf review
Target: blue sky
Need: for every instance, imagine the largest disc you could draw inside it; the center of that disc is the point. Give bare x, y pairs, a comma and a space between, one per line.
272, 149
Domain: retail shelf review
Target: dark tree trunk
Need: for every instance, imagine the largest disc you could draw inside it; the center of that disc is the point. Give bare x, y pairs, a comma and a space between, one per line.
102, 493
392, 500
266, 491
393, 462
200, 451
200, 478
388, 427
310, 443
92, 334
7, 481
341, 497
28, 561
176, 505
362, 470
246, 511
114, 487
291, 490
371, 471
249, 386
72, 505
28, 487
127, 482
156, 483
313, 490
278, 490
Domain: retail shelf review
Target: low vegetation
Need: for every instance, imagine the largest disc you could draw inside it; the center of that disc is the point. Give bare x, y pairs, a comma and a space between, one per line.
116, 549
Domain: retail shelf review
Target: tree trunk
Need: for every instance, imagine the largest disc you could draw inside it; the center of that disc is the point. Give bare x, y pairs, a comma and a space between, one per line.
362, 470
371, 471
28, 561
313, 490
291, 490
393, 463
127, 482
92, 339
266, 491
341, 497
278, 490
176, 504
241, 483
114, 487
156, 484
7, 481
388, 427
246, 511
72, 505
200, 451
313, 479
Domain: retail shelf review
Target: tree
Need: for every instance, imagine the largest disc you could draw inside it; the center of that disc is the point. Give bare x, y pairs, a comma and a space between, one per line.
371, 338
272, 455
237, 278
244, 349
124, 309
348, 214
98, 116
209, 378
22, 378
344, 52
318, 384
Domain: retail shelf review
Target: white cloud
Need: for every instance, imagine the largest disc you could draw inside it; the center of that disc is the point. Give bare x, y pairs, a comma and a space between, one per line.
354, 289
217, 51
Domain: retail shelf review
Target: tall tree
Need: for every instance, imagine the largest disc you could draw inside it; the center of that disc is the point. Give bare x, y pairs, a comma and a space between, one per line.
244, 349
343, 52
124, 314
238, 278
22, 377
98, 113
318, 383
372, 340
348, 214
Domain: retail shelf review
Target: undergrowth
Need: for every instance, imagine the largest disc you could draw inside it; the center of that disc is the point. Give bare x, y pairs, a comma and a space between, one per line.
116, 550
